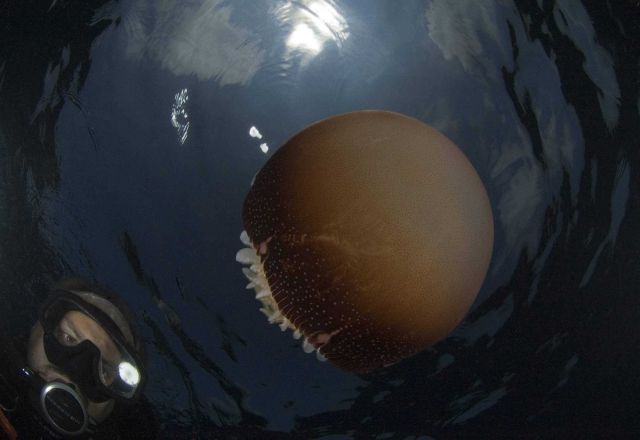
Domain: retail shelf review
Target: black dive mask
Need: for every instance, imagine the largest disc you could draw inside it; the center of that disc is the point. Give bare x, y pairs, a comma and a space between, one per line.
113, 373
79, 362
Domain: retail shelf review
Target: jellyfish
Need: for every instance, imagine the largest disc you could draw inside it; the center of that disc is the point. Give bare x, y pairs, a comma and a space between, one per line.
368, 235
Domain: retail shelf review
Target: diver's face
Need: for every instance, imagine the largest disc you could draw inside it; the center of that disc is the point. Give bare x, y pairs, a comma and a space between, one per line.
73, 328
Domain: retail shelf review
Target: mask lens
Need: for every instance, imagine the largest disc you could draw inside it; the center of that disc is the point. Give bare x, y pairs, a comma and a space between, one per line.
122, 376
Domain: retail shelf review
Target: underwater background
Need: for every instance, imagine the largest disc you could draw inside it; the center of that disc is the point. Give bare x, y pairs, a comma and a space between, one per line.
130, 131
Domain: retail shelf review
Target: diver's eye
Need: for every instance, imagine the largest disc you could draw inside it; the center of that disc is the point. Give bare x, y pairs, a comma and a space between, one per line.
65, 338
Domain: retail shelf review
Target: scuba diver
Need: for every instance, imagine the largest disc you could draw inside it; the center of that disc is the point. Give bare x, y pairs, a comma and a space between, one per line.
82, 373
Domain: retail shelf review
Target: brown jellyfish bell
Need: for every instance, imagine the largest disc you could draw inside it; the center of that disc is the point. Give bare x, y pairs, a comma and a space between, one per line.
369, 235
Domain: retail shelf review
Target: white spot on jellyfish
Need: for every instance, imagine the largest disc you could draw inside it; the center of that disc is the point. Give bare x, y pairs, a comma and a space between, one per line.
307, 347
179, 115
244, 238
275, 317
263, 293
255, 133
264, 147
247, 256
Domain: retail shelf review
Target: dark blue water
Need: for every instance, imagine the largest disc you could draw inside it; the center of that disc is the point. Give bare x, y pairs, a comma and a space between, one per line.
126, 153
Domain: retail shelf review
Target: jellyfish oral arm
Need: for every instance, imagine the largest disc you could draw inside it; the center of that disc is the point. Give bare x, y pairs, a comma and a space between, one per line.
252, 257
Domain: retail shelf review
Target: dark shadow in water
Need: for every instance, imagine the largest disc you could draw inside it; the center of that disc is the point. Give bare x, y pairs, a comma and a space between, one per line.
36, 74
198, 419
